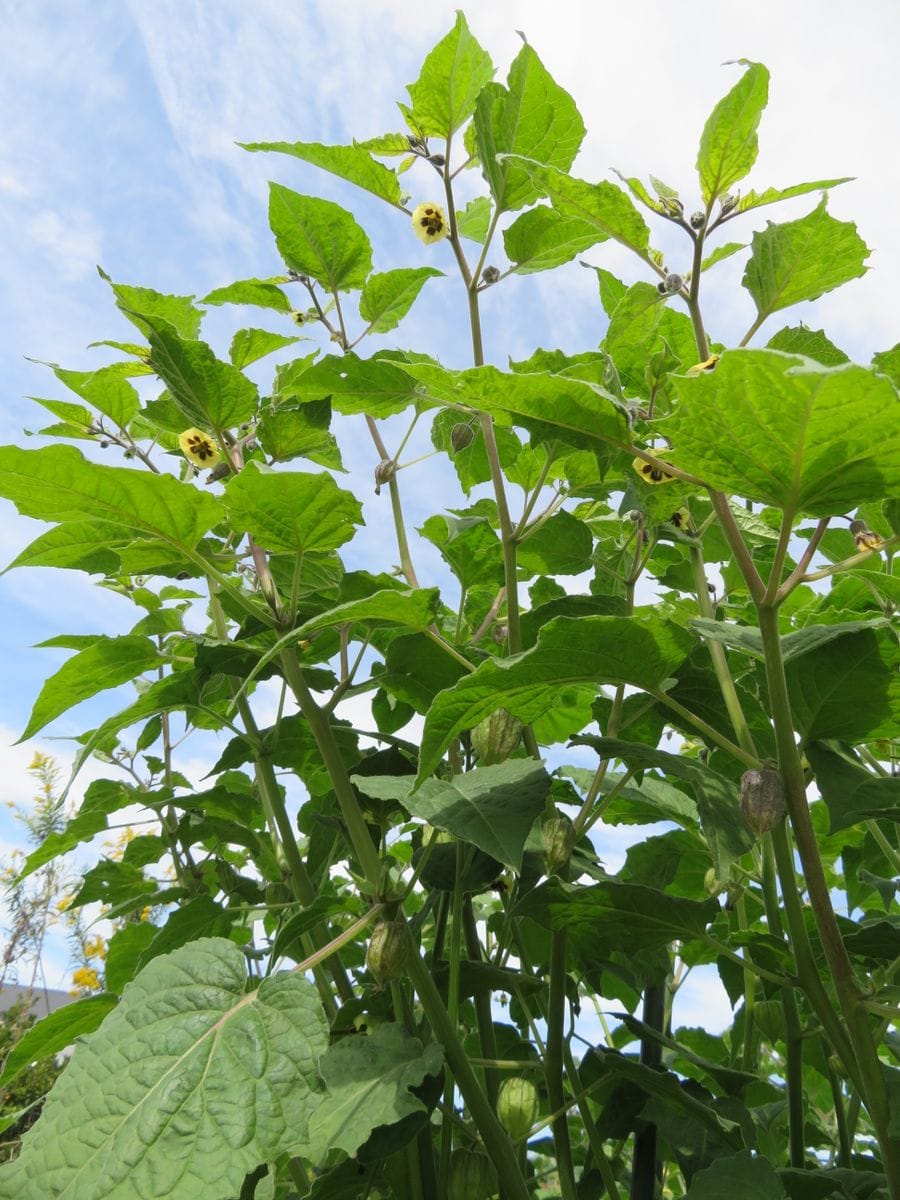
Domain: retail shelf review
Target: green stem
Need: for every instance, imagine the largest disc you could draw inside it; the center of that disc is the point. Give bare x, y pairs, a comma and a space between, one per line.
482, 1001
553, 1063
645, 1164
847, 987
707, 730
694, 298
357, 830
845, 1148
497, 1144
747, 1057
452, 1007
604, 1166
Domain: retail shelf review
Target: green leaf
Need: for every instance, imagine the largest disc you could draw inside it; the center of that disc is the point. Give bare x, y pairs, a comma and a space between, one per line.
388, 297
561, 546
543, 238
123, 953
55, 1033
554, 405
727, 837
849, 689
142, 305
452, 75
643, 651
722, 252
212, 394
785, 431
492, 808
102, 797
190, 1078
602, 205
801, 260
474, 220
638, 325
348, 162
731, 1079
469, 545
851, 793
106, 664
291, 511
56, 483
774, 195
532, 117
320, 239
802, 641
376, 387
728, 144
250, 345
104, 389
301, 432
263, 293
745, 1175
367, 1080
201, 917
414, 609
612, 915
887, 362
812, 343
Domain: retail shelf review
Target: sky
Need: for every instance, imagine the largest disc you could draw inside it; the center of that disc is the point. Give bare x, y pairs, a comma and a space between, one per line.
117, 148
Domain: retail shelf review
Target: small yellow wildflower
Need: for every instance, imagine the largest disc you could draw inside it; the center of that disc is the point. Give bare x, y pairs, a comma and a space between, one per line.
198, 448
95, 947
86, 978
429, 222
649, 473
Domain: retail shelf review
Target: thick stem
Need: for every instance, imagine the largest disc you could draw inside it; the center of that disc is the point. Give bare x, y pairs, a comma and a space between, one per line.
498, 1146
847, 987
645, 1165
553, 1063
482, 1001
357, 830
694, 299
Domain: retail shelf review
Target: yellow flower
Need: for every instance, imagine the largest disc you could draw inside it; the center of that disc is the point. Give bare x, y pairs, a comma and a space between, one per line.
708, 365
95, 947
86, 978
429, 223
649, 473
198, 447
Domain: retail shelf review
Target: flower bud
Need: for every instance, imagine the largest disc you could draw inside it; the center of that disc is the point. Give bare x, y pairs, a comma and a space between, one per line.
461, 435
388, 951
471, 1176
673, 283
672, 205
499, 633
558, 836
728, 203
712, 885
762, 800
490, 275
517, 1106
495, 738
384, 473
697, 220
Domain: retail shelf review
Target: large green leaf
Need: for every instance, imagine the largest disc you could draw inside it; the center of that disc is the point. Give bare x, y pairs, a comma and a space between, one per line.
292, 511
349, 162
800, 260
542, 238
413, 609
728, 144
212, 394
643, 651
746, 1176
773, 195
726, 834
189, 1083
263, 293
603, 205
560, 546
320, 239
79, 545
639, 325
612, 915
788, 432
107, 663
250, 345
749, 639
300, 432
555, 405
851, 793
812, 343
492, 808
55, 1033
388, 297
848, 689
532, 117
376, 387
367, 1081
106, 390
470, 547
140, 305
56, 483
452, 75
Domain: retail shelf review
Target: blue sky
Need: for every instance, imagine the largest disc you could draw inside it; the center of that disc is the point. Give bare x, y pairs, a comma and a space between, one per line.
117, 148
